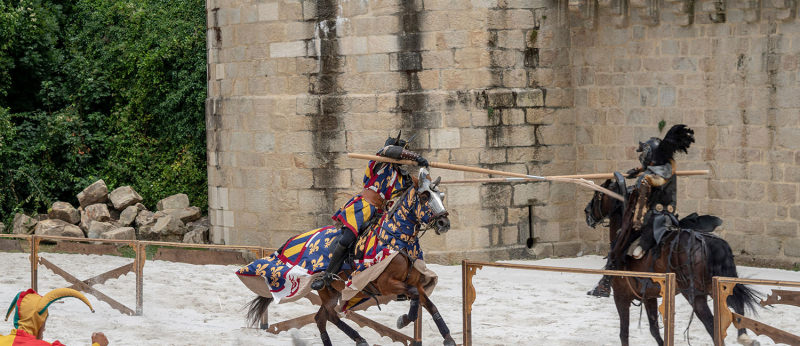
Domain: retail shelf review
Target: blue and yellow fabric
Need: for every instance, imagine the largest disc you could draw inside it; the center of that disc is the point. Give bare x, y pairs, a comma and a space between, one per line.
301, 255
310, 252
384, 178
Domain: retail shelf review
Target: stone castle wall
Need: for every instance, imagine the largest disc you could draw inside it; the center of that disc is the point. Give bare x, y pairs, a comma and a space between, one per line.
537, 87
728, 69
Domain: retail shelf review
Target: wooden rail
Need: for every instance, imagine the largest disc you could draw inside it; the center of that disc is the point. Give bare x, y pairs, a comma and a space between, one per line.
723, 317
665, 280
137, 266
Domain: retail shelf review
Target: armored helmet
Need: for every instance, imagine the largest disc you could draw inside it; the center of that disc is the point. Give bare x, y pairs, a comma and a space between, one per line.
647, 150
396, 140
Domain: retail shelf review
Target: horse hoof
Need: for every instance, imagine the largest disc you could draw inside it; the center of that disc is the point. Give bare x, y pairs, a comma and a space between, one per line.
449, 342
745, 340
361, 342
401, 322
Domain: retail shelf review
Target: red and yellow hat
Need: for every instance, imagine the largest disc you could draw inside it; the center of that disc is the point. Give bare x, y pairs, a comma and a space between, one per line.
31, 308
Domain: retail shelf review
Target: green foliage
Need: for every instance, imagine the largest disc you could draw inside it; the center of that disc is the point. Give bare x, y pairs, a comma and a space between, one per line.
101, 89
661, 125
490, 112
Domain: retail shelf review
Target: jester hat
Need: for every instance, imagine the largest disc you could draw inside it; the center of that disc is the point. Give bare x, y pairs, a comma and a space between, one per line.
31, 308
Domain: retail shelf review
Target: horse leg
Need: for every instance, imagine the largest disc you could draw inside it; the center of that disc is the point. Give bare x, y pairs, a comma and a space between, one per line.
651, 306
703, 312
322, 319
329, 300
737, 304
623, 303
437, 317
405, 319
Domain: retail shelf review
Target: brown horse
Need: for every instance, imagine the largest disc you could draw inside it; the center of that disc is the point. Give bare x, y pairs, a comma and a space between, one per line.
420, 207
694, 256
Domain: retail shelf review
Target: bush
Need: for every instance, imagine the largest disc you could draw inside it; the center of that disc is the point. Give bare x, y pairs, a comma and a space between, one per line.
101, 89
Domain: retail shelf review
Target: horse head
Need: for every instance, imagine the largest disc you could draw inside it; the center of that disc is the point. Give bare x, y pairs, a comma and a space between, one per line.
601, 205
431, 211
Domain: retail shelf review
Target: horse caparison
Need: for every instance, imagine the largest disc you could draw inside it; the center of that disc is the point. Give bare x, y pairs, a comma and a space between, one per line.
695, 258
399, 278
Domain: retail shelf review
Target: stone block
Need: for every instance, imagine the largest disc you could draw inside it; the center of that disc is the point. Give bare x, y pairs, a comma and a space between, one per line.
197, 236
97, 229
177, 201
500, 98
64, 211
530, 193
472, 138
122, 233
495, 196
287, 49
269, 11
58, 228
353, 45
407, 61
721, 190
186, 215
763, 246
785, 194
166, 228
377, 44
541, 250
530, 98
95, 193
128, 215
791, 247
372, 63
124, 196
97, 212
782, 229
445, 138
567, 249
23, 224
458, 195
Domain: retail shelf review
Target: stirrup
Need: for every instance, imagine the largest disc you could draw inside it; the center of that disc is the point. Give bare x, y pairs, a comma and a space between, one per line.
600, 291
323, 281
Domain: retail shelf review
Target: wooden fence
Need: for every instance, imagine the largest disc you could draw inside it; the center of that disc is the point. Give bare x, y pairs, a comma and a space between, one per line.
666, 281
723, 316
109, 246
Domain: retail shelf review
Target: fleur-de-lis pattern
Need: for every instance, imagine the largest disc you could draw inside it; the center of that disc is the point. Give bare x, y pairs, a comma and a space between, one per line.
310, 252
318, 263
313, 247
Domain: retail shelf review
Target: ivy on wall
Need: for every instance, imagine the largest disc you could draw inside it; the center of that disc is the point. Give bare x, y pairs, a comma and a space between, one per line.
101, 89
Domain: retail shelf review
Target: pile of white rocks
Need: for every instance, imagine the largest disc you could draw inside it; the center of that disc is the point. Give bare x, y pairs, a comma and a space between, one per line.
119, 215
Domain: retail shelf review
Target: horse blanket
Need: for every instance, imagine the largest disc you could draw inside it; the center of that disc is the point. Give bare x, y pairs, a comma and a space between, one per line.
286, 274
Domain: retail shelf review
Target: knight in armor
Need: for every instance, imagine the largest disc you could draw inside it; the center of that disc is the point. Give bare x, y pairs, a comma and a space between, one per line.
382, 182
655, 208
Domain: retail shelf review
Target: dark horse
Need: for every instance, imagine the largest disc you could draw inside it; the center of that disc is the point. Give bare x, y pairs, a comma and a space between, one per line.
420, 208
694, 256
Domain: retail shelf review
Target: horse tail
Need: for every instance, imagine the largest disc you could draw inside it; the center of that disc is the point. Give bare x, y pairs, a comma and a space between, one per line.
720, 263
256, 309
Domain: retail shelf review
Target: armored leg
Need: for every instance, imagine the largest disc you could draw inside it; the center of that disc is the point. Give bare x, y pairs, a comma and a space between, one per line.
603, 288
640, 209
337, 259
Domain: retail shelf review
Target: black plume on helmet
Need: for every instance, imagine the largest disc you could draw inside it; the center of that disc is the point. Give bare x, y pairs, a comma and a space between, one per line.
658, 152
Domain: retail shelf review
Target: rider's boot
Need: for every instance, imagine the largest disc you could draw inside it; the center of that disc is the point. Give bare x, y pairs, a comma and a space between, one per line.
336, 263
603, 288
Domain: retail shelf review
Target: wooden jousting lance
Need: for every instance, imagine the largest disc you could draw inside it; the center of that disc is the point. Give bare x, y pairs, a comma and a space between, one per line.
577, 176
579, 181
